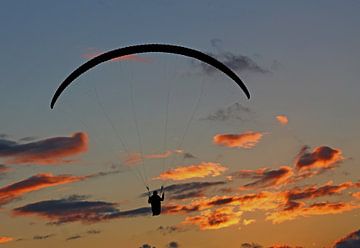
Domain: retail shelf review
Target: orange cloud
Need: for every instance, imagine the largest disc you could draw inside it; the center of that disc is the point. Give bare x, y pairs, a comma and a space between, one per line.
322, 157
301, 210
37, 182
5, 239
314, 192
249, 202
45, 152
219, 218
201, 170
132, 57
243, 140
282, 119
356, 195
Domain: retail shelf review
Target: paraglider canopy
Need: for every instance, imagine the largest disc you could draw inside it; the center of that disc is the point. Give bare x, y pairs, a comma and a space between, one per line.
148, 48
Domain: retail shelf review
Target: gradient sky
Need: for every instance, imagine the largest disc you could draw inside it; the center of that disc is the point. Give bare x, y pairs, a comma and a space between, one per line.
299, 59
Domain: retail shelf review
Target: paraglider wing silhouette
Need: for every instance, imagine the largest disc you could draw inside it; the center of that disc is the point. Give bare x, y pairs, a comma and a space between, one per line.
148, 48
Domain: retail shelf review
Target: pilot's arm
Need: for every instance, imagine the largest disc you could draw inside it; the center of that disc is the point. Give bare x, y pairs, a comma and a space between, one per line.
163, 196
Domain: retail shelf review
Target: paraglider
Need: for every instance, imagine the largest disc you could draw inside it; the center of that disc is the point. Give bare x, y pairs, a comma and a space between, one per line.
154, 199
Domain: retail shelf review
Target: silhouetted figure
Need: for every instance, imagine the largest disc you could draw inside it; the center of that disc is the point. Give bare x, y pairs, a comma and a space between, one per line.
155, 201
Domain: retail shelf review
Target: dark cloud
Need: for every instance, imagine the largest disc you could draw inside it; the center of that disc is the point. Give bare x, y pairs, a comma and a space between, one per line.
76, 208
71, 209
164, 230
235, 111
104, 173
47, 151
188, 155
352, 240
236, 62
40, 237
147, 246
93, 231
73, 237
173, 244
134, 212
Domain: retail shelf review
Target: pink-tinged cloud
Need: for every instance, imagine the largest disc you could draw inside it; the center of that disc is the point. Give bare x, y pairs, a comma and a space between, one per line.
204, 169
243, 140
135, 158
4, 239
265, 177
44, 152
130, 57
300, 210
34, 183
282, 119
351, 240
322, 157
219, 218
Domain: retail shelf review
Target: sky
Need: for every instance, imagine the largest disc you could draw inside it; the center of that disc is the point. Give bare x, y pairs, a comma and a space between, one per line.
277, 170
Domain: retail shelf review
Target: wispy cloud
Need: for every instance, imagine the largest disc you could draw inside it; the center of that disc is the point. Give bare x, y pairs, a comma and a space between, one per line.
164, 230
44, 152
74, 237
42, 237
242, 140
236, 62
204, 169
235, 111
